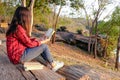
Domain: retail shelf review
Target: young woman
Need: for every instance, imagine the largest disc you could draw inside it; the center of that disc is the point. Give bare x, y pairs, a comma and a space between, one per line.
20, 47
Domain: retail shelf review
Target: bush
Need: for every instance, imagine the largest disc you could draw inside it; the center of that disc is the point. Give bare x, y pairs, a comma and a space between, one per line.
79, 31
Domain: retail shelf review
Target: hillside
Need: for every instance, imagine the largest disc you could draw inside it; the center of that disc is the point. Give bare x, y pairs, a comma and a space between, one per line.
73, 56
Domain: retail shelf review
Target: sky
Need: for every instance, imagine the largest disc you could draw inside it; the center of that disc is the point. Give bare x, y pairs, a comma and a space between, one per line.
66, 10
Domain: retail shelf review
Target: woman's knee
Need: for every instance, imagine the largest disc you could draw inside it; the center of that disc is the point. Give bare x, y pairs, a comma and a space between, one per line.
44, 46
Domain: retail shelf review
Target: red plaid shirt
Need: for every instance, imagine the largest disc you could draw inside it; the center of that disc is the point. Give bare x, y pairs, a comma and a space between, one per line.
17, 42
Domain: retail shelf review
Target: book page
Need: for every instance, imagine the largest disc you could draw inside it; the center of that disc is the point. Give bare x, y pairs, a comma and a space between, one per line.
49, 33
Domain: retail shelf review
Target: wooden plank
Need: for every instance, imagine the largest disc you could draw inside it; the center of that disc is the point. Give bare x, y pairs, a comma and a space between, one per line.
75, 73
26, 74
47, 74
7, 70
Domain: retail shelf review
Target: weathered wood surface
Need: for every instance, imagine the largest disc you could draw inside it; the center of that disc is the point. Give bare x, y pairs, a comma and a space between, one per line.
27, 74
75, 72
8, 71
46, 74
21, 75
72, 38
83, 72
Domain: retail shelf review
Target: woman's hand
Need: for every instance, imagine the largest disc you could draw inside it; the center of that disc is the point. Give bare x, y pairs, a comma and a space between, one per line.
45, 40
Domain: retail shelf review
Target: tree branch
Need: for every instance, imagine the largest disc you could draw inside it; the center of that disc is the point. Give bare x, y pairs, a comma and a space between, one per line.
31, 5
23, 3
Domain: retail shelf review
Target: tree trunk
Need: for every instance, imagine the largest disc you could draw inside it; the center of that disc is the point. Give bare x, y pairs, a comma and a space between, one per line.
54, 15
87, 17
53, 39
96, 32
89, 44
105, 48
95, 49
53, 26
23, 3
31, 5
117, 54
90, 30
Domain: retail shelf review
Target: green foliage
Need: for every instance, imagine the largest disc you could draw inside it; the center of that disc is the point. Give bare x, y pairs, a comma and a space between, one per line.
58, 2
79, 31
116, 17
42, 17
42, 5
105, 28
7, 9
77, 4
64, 21
2, 7
112, 43
112, 29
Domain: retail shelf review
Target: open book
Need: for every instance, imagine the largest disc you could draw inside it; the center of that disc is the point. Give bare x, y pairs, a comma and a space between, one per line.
49, 33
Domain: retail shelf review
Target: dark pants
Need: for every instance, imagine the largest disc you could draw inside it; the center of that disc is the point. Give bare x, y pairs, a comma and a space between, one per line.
37, 53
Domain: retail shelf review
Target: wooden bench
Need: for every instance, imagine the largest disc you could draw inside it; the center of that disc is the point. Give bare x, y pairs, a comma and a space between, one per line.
8, 71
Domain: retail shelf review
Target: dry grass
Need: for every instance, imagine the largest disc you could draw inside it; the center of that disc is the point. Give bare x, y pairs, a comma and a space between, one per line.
72, 55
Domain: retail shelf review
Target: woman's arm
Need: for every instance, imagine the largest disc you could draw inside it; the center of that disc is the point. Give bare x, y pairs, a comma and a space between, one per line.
44, 41
24, 39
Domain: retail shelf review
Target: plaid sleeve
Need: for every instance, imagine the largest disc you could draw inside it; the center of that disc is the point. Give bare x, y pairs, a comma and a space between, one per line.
24, 39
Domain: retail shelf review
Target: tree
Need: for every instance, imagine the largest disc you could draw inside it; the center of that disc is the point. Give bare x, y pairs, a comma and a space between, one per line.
55, 17
2, 8
116, 23
30, 6
7, 9
117, 53
112, 29
94, 17
80, 4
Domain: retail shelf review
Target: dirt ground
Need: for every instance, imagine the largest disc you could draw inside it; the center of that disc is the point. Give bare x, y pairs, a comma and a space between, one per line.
71, 55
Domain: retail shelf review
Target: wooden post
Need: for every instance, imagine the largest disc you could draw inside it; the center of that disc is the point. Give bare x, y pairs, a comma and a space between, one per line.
117, 54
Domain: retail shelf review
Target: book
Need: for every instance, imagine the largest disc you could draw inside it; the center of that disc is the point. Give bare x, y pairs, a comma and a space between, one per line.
32, 66
49, 33
0, 42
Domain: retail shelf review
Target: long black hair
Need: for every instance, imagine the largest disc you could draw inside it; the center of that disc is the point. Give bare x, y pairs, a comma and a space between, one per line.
21, 17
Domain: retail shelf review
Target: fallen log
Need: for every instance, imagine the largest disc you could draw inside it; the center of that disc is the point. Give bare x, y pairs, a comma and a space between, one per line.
83, 72
67, 37
73, 38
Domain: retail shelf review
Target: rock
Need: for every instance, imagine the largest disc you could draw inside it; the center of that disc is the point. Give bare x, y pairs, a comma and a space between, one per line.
40, 27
